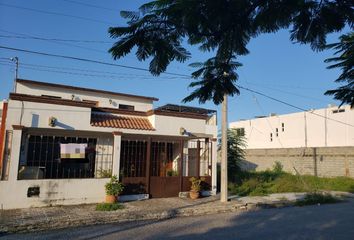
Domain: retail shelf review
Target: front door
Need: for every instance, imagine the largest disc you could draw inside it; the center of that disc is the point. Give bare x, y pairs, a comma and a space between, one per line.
165, 161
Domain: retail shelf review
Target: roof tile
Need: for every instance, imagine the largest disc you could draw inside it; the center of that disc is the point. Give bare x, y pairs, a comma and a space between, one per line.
113, 121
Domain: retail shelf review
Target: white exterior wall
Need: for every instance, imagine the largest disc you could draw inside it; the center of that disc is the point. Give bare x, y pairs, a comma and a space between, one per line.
102, 99
302, 129
35, 116
13, 193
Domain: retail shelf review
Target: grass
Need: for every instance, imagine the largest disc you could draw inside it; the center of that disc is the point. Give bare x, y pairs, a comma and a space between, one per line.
270, 181
109, 206
316, 198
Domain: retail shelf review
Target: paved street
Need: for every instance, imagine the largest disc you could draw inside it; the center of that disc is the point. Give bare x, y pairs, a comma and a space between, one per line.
312, 222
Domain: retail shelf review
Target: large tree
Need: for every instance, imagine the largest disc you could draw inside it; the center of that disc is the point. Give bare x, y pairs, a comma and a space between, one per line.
314, 21
344, 61
224, 28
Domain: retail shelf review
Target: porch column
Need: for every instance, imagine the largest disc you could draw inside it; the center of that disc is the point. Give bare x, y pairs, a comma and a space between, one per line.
180, 165
214, 165
15, 152
148, 165
198, 159
117, 138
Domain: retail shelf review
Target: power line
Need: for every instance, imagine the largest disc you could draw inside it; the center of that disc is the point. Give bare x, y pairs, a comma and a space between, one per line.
55, 42
94, 75
291, 93
90, 5
281, 85
75, 69
55, 13
293, 106
61, 41
55, 39
270, 125
86, 60
104, 72
168, 73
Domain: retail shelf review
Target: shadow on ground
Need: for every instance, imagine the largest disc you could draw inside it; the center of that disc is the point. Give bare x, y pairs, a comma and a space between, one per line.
334, 221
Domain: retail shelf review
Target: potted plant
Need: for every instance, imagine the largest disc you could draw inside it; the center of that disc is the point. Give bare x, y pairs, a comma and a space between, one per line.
113, 189
195, 188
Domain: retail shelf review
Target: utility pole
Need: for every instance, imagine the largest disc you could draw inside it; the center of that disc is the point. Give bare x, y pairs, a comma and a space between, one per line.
223, 190
15, 60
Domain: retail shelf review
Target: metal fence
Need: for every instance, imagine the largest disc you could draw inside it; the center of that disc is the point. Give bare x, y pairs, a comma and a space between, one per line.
41, 159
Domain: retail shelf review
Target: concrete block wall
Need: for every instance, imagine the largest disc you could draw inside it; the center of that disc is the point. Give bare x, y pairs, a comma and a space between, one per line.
321, 161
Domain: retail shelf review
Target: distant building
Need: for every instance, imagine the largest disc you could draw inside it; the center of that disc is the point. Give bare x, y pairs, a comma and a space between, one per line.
316, 142
326, 127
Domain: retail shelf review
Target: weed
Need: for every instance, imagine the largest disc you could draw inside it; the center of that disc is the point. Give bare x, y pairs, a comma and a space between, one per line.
316, 198
109, 206
276, 181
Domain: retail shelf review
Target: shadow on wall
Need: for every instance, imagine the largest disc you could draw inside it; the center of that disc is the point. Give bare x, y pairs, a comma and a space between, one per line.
248, 166
49, 192
66, 127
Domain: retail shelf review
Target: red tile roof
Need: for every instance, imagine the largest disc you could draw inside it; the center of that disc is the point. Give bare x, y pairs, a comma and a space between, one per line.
113, 121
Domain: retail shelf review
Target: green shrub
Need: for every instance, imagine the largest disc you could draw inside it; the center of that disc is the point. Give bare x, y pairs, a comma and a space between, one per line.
278, 167
276, 181
317, 198
196, 183
171, 173
109, 206
288, 183
114, 187
104, 173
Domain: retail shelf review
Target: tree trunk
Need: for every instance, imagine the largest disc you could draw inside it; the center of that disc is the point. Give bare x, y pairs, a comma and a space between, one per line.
223, 192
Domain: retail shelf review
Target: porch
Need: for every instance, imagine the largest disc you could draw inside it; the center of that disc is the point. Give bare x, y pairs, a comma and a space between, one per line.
162, 166
159, 166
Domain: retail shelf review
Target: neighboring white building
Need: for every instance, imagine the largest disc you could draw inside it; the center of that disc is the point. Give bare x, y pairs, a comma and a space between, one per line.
62, 143
327, 127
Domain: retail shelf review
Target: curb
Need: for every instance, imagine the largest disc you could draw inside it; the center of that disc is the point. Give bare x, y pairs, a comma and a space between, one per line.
116, 217
98, 218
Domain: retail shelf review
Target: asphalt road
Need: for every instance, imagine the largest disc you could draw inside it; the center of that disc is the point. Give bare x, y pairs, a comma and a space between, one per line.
334, 221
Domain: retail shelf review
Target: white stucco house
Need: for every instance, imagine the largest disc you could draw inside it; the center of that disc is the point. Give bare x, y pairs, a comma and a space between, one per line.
326, 127
60, 144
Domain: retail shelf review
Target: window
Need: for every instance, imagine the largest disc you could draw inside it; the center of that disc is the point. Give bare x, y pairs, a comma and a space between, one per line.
126, 107
50, 96
282, 127
57, 157
240, 131
276, 132
90, 101
338, 111
271, 137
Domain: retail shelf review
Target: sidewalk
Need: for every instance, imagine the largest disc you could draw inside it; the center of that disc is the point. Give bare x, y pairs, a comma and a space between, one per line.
37, 219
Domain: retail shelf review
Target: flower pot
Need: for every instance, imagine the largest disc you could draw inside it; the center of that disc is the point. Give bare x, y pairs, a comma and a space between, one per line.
111, 199
193, 195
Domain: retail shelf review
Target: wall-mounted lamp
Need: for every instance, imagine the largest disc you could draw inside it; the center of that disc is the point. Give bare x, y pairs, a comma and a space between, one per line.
182, 131
52, 122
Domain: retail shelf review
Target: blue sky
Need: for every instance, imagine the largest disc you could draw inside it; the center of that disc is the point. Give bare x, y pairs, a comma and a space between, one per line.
275, 66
